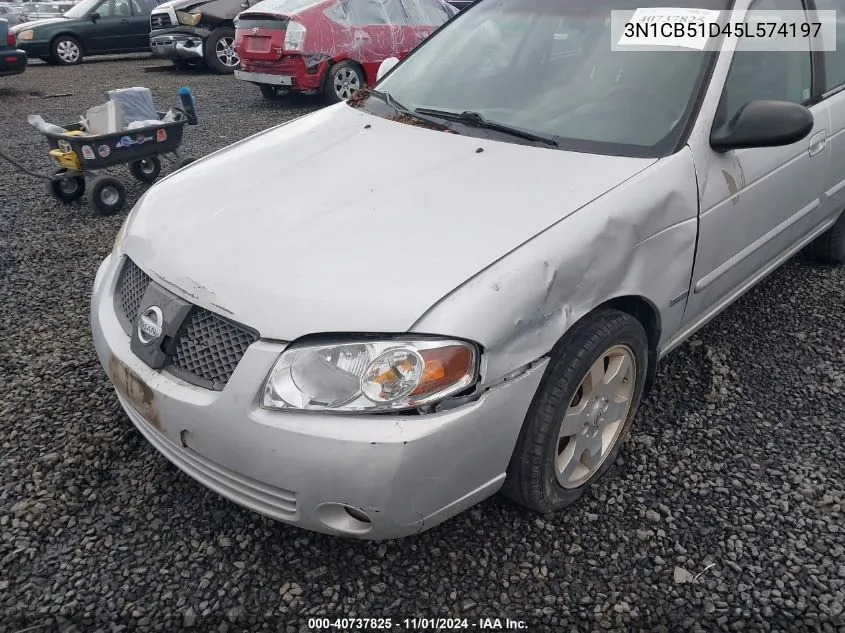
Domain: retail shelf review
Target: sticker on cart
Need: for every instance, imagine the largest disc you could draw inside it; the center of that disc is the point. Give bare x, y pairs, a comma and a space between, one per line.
125, 141
161, 136
103, 150
140, 139
88, 152
64, 145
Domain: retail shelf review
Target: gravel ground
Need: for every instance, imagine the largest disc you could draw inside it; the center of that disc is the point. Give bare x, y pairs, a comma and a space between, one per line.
725, 513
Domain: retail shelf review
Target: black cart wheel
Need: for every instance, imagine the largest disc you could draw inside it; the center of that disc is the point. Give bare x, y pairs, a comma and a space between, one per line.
107, 194
67, 188
145, 169
183, 162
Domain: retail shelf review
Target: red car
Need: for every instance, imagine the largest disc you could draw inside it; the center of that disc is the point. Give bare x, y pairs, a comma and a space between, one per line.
332, 47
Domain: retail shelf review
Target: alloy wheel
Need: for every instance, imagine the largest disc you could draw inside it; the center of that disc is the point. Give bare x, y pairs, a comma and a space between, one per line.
596, 416
225, 51
346, 83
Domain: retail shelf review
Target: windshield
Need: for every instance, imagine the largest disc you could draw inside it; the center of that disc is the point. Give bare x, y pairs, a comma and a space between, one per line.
546, 66
81, 9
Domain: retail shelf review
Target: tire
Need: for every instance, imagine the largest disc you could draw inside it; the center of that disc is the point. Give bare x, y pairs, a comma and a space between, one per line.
66, 189
106, 194
342, 81
829, 247
272, 93
219, 52
145, 169
66, 51
601, 340
183, 162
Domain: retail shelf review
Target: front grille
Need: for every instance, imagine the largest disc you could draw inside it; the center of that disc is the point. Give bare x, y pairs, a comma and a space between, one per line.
208, 347
160, 21
131, 287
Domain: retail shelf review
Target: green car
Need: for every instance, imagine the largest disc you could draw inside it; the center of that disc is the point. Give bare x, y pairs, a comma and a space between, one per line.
91, 27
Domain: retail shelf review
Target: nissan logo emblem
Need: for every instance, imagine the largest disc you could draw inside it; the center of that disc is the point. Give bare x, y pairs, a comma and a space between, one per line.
150, 325
255, 30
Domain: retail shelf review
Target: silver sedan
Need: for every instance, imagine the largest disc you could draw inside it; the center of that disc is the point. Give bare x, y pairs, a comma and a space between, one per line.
368, 319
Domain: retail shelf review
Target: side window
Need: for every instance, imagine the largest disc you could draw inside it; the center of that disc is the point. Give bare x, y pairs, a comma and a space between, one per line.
121, 9
143, 7
780, 75
834, 61
427, 12
375, 12
106, 9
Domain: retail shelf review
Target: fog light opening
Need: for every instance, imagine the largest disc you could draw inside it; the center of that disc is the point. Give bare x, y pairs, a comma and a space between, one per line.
344, 518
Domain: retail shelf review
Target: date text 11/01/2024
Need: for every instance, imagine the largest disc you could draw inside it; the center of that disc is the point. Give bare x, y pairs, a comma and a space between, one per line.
417, 624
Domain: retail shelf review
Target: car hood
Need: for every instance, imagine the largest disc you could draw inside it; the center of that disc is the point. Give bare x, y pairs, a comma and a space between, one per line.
344, 221
34, 23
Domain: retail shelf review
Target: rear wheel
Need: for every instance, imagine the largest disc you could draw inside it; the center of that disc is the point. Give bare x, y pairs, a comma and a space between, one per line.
66, 187
220, 55
66, 51
145, 169
106, 194
829, 247
581, 413
343, 80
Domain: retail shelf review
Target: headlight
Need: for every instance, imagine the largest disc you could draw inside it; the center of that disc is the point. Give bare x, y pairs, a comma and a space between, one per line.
188, 19
365, 376
26, 35
295, 36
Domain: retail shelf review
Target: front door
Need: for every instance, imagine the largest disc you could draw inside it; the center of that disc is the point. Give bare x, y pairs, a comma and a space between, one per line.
113, 30
140, 34
758, 203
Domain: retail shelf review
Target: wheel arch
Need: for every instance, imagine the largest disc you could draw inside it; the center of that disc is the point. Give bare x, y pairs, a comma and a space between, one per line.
648, 315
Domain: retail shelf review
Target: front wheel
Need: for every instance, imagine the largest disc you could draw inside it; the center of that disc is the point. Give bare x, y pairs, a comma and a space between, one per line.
581, 413
106, 194
220, 55
343, 80
67, 51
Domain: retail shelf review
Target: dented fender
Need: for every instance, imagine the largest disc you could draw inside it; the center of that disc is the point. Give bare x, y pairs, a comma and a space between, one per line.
637, 240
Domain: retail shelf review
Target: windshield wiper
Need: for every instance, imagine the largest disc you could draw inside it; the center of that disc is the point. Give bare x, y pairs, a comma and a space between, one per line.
415, 114
477, 120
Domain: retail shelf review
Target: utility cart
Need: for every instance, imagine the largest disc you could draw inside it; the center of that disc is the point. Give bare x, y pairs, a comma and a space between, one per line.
80, 156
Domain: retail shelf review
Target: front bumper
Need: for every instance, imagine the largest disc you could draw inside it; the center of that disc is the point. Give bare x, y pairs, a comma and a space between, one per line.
406, 473
12, 62
34, 48
178, 45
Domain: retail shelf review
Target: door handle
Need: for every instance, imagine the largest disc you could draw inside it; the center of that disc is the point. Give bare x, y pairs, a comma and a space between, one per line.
817, 143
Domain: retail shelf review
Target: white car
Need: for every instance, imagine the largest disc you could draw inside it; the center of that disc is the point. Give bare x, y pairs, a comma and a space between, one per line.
370, 318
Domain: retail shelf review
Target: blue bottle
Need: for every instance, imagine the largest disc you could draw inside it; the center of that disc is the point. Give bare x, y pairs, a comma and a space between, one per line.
189, 104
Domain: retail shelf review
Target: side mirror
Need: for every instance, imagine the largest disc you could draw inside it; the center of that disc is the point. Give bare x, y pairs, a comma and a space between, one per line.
95, 16
763, 124
386, 66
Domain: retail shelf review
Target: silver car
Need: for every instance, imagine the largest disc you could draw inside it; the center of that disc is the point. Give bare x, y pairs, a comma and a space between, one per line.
368, 319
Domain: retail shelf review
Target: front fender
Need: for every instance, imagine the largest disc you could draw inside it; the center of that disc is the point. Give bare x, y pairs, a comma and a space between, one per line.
636, 240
